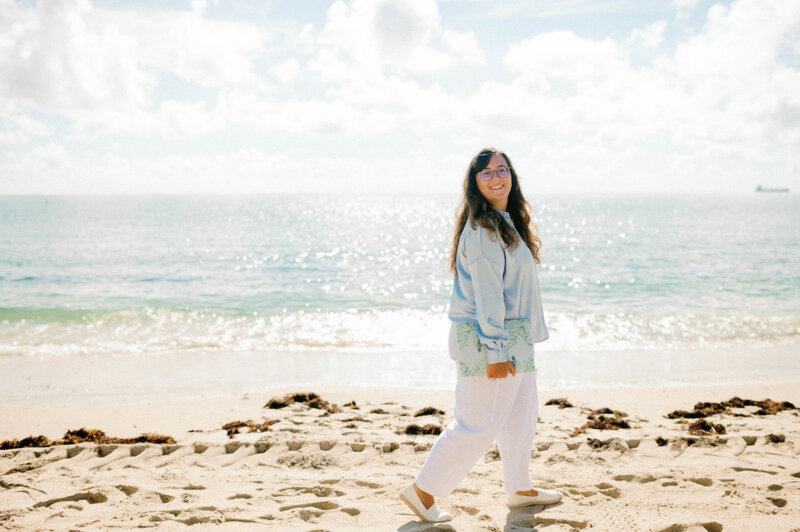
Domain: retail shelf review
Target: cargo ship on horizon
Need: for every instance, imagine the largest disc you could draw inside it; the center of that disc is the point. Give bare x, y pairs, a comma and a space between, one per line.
759, 188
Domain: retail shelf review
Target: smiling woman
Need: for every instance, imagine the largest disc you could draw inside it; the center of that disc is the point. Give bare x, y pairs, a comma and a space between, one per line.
496, 314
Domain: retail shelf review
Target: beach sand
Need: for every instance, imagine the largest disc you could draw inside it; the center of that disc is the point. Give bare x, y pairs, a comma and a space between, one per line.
318, 470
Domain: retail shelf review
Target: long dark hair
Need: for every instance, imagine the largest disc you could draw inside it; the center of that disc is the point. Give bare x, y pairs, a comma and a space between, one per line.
475, 209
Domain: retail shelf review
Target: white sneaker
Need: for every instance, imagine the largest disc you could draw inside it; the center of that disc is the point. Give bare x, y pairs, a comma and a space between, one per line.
430, 515
543, 497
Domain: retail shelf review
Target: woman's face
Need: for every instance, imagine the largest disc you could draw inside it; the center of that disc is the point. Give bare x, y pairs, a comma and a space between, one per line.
495, 189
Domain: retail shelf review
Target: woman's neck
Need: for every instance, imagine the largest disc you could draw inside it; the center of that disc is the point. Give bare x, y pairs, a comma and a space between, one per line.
500, 206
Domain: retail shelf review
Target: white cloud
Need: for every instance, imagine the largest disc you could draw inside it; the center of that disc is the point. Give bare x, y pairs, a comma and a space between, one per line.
684, 7
464, 46
722, 95
100, 68
585, 112
399, 26
286, 71
651, 36
67, 53
406, 36
59, 55
17, 127
212, 53
199, 6
563, 56
48, 156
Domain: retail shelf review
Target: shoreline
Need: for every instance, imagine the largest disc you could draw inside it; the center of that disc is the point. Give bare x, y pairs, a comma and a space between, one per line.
181, 375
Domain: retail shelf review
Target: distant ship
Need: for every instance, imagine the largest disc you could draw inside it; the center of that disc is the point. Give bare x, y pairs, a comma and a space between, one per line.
759, 188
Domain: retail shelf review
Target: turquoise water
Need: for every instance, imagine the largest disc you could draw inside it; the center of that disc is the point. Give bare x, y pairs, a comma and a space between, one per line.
149, 275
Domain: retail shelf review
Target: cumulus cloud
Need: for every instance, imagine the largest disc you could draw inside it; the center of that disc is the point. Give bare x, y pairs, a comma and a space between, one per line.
102, 68
207, 52
684, 6
59, 55
651, 36
562, 55
17, 127
286, 71
722, 94
463, 46
392, 72
389, 35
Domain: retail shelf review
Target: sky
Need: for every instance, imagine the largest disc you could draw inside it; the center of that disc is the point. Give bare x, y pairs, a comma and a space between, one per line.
396, 96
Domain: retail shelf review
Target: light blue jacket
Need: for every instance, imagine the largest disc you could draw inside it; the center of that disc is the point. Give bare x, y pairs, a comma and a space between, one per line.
493, 284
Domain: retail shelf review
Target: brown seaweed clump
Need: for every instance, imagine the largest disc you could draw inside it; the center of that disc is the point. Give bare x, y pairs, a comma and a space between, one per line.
704, 409
82, 435
703, 427
430, 428
428, 411
768, 407
310, 399
28, 441
598, 420
561, 402
233, 427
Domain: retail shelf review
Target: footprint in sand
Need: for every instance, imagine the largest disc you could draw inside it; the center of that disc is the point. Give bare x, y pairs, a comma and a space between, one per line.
142, 496
777, 501
613, 493
641, 479
91, 496
309, 512
740, 469
367, 484
541, 521
127, 490
320, 505
583, 493
319, 491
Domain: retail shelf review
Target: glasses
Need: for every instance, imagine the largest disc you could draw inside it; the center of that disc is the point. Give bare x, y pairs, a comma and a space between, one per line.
502, 173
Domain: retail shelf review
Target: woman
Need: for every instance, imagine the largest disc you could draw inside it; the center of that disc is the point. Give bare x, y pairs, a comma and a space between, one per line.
494, 256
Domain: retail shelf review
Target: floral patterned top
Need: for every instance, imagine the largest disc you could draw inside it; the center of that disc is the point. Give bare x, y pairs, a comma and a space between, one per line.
494, 284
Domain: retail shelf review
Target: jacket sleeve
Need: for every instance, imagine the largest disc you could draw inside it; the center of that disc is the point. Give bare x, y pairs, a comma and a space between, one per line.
486, 264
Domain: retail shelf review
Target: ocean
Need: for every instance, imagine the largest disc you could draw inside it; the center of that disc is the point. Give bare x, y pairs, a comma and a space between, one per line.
275, 277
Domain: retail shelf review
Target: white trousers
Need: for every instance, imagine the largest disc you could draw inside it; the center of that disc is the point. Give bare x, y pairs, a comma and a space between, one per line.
505, 410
